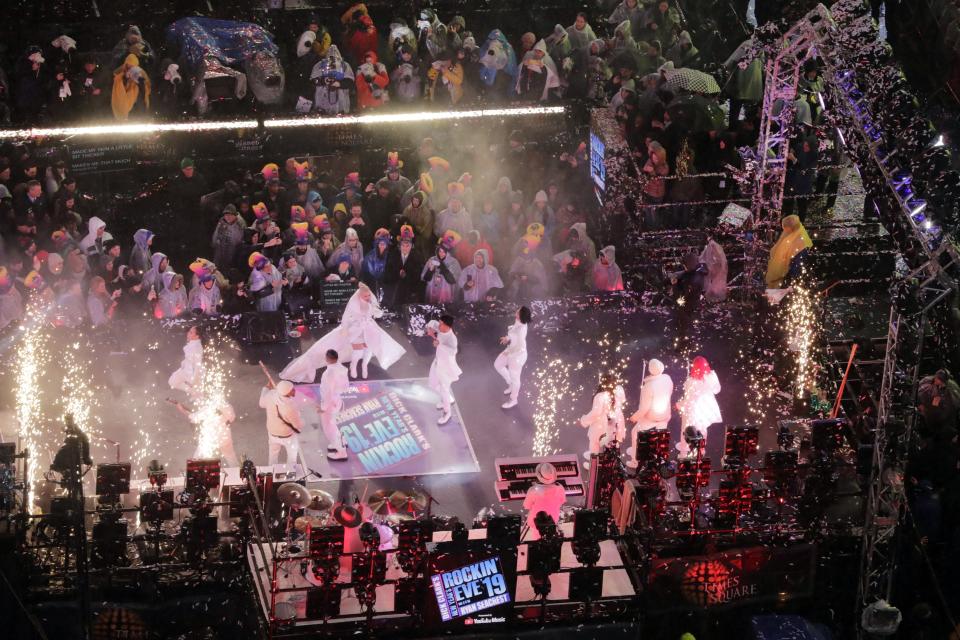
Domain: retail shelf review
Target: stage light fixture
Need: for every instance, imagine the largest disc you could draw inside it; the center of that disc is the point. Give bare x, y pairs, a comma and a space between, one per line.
145, 128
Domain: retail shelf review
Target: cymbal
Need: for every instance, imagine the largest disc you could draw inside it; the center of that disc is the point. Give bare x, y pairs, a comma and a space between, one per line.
379, 502
396, 518
400, 500
348, 516
293, 495
320, 500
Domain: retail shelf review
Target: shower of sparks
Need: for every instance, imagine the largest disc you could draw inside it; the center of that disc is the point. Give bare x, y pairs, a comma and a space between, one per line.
212, 398
78, 398
553, 382
32, 357
800, 329
557, 391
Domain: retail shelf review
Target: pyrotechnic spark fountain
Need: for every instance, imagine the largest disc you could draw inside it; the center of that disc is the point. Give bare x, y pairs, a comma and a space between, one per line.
31, 359
800, 328
78, 398
553, 382
212, 398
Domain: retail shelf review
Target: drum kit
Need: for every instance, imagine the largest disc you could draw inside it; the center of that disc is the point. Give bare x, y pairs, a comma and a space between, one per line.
312, 508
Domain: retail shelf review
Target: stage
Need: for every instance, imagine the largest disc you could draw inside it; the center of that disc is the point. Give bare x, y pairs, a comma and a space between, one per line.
569, 347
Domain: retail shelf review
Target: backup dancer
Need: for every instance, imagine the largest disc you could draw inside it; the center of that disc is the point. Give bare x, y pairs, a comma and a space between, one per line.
444, 371
509, 364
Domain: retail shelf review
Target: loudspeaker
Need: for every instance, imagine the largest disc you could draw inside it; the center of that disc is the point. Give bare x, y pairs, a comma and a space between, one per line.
262, 327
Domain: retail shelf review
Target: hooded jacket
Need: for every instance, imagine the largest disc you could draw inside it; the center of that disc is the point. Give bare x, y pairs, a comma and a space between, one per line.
372, 81
333, 79
480, 280
171, 302
607, 277
91, 244
152, 279
140, 255
126, 87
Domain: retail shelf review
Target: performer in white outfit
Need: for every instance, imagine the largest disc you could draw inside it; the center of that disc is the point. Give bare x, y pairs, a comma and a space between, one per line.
333, 384
654, 410
284, 422
698, 406
605, 421
189, 377
358, 339
546, 495
444, 371
509, 364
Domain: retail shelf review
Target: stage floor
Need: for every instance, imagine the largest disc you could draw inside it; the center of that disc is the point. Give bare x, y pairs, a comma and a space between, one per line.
127, 385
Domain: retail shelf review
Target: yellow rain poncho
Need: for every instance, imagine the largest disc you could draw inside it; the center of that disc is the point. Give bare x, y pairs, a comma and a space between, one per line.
793, 239
126, 89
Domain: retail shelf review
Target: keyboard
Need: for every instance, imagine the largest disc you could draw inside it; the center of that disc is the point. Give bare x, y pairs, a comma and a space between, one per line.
517, 489
510, 469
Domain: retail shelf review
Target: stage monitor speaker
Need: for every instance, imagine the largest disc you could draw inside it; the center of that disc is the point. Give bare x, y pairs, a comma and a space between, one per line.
586, 583
323, 602
262, 327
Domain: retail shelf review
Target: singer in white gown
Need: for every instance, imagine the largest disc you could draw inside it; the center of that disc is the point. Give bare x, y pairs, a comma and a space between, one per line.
358, 339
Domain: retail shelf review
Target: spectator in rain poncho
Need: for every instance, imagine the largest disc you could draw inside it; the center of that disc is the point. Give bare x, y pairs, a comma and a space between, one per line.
787, 254
580, 32
93, 243
266, 283
140, 252
152, 279
392, 178
454, 217
537, 76
304, 253
468, 246
371, 82
629, 11
131, 89
527, 279
715, 287
227, 237
683, 53
326, 241
745, 85
11, 303
480, 280
100, 304
333, 78
606, 273
133, 42
172, 300
441, 273
374, 265
351, 249
205, 296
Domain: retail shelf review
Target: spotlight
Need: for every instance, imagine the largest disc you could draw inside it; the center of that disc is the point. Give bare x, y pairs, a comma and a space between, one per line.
916, 205
939, 142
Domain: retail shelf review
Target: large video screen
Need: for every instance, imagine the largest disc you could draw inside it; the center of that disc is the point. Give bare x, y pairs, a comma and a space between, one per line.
470, 589
598, 170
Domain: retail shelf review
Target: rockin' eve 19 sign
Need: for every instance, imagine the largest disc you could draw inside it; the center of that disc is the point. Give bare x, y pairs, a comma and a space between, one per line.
381, 433
734, 577
470, 589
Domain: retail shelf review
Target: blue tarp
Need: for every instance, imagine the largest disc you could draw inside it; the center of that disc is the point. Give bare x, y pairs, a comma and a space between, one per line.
229, 41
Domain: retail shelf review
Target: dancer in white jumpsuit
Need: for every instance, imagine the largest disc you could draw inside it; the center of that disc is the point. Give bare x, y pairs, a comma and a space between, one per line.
654, 409
358, 339
189, 377
333, 384
605, 421
444, 371
284, 422
509, 364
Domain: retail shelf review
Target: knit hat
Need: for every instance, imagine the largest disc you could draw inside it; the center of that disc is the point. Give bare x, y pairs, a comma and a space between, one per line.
449, 240
530, 243
394, 163
406, 232
260, 211
270, 171
201, 266
436, 162
655, 367
298, 213
301, 231
321, 224
186, 162
303, 171
33, 281
257, 260
232, 210
455, 190
541, 196
426, 183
